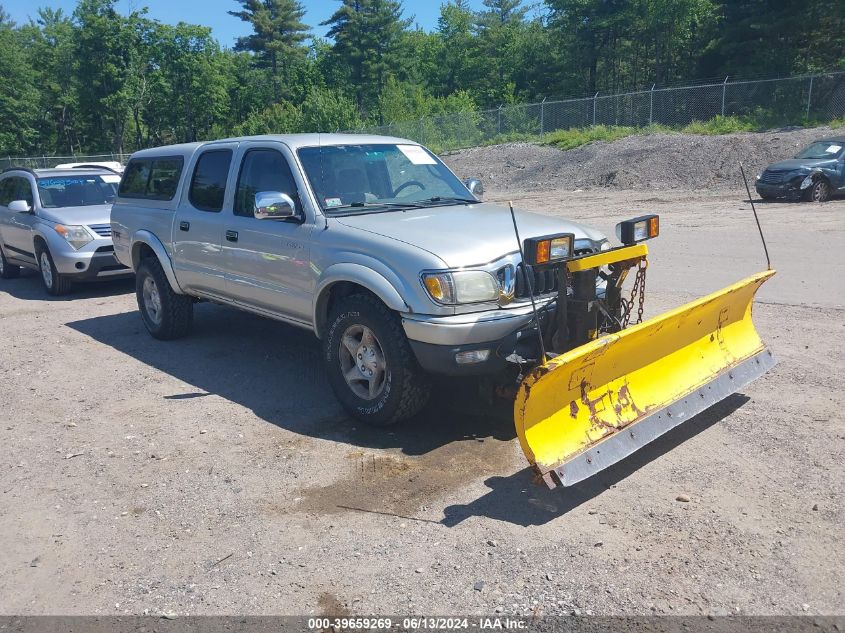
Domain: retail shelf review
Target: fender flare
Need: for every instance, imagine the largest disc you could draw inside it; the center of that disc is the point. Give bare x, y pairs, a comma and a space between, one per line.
358, 274
149, 239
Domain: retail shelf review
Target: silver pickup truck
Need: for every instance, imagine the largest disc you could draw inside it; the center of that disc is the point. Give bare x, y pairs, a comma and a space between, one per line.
370, 242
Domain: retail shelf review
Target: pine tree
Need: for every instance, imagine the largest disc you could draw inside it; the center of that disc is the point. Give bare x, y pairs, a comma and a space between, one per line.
365, 34
277, 38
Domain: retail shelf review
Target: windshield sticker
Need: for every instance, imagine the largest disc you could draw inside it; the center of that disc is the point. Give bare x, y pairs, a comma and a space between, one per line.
833, 149
109, 178
417, 155
333, 202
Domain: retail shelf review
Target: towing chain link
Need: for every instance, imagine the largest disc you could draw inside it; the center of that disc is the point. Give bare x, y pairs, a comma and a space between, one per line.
637, 292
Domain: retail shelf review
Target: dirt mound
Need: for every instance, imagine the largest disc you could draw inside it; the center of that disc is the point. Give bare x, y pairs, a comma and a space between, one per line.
649, 161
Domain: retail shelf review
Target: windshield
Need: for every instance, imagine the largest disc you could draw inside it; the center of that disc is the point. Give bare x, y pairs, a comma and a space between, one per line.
822, 150
388, 176
77, 191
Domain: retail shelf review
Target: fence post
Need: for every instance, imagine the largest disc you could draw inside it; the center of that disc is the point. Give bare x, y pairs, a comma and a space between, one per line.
595, 96
499, 120
543, 116
651, 105
809, 97
724, 88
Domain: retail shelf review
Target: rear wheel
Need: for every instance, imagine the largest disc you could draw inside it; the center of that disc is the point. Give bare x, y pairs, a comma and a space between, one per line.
166, 314
7, 270
370, 364
53, 281
819, 191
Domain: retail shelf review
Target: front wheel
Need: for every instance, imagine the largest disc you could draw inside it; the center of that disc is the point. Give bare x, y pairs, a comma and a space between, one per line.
53, 281
166, 314
370, 364
819, 191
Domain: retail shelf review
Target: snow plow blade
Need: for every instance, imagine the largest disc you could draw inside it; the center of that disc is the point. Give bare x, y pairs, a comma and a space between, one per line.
590, 407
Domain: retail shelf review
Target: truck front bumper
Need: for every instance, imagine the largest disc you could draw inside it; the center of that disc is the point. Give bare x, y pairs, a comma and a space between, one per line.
441, 344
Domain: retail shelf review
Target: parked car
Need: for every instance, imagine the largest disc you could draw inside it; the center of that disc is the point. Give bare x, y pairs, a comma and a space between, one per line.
369, 242
56, 221
816, 173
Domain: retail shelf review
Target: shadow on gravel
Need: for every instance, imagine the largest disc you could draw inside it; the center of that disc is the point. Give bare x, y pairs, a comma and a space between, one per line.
276, 371
28, 287
520, 500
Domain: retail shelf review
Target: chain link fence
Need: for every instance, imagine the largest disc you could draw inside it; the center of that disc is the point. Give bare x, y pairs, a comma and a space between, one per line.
769, 102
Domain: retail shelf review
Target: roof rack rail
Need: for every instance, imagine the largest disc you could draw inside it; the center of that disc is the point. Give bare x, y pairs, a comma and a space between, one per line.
26, 169
86, 166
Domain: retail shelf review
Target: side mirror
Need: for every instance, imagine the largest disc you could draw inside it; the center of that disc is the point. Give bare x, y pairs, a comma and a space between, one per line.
20, 206
273, 205
475, 187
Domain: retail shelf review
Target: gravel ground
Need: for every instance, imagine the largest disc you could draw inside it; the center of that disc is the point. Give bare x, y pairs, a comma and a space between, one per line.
217, 474
657, 161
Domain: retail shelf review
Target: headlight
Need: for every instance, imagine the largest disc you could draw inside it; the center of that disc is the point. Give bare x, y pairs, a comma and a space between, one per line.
463, 286
605, 245
76, 236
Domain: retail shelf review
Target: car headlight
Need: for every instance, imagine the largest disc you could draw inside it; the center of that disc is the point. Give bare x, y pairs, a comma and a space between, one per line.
76, 236
462, 286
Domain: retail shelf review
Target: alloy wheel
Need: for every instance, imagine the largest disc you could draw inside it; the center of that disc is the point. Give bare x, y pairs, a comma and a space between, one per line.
362, 362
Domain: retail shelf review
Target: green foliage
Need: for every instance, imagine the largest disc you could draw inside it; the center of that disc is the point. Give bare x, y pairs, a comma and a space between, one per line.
109, 78
277, 38
328, 110
366, 34
723, 125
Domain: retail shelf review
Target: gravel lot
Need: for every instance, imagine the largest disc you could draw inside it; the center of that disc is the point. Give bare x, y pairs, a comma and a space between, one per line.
217, 475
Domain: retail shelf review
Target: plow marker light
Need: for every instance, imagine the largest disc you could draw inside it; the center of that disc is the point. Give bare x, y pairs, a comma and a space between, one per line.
596, 404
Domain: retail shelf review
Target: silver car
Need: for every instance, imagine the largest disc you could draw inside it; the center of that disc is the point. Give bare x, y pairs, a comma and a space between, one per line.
369, 242
56, 221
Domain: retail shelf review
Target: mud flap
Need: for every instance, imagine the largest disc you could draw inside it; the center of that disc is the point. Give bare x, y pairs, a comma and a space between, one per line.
594, 405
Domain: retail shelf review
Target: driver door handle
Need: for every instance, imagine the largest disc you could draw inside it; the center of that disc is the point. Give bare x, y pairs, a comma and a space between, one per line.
184, 226
231, 236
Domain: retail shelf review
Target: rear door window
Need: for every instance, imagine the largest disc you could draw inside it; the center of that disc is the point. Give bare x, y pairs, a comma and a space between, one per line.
152, 178
208, 184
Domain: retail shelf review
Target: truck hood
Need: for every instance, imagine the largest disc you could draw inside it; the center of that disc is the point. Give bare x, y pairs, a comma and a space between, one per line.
796, 164
87, 215
465, 235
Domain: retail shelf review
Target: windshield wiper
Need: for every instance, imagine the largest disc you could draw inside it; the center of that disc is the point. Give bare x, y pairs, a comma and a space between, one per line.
369, 205
449, 199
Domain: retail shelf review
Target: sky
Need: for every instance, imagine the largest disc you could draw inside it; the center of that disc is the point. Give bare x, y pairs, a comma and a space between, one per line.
213, 13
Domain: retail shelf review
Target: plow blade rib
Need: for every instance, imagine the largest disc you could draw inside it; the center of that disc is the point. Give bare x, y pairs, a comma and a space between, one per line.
592, 406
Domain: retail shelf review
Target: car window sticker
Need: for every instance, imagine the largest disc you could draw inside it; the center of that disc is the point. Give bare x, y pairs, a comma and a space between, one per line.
417, 155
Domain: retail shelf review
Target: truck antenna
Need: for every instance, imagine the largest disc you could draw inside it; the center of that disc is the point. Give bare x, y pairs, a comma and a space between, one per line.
528, 278
756, 219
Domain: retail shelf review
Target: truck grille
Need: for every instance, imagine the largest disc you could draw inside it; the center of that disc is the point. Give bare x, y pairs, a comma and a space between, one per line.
773, 176
103, 230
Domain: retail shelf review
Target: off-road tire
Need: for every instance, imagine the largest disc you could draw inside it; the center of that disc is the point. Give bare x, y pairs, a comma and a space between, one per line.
7, 270
177, 311
59, 284
819, 191
407, 386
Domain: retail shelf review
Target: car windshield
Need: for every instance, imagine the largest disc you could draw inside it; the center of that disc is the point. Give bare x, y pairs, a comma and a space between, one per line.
348, 178
821, 150
77, 191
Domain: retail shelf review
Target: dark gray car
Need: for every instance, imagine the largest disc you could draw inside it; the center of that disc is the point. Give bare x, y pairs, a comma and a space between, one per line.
816, 173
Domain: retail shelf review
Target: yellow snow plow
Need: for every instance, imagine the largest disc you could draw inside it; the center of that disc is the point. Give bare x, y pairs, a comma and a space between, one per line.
613, 388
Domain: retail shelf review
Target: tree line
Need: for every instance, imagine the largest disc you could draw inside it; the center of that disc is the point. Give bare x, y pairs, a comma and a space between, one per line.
98, 80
